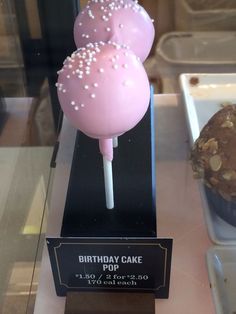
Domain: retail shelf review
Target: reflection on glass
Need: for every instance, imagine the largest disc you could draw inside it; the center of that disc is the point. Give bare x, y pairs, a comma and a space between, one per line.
12, 78
19, 284
27, 136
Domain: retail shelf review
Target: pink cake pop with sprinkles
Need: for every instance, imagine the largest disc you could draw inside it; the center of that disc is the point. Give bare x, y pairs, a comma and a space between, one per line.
104, 91
122, 21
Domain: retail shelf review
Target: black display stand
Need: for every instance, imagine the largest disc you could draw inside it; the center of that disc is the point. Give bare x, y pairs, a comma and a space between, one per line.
112, 250
134, 214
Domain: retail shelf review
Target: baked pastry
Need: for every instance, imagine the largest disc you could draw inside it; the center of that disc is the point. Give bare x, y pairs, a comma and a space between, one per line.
213, 155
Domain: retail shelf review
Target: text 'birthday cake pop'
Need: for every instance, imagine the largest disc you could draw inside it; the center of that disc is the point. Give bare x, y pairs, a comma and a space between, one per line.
122, 21
102, 87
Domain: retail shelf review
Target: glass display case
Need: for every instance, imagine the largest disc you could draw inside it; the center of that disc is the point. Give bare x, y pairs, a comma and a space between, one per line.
35, 38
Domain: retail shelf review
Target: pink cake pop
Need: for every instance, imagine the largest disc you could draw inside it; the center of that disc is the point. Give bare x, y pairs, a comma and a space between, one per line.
104, 91
122, 21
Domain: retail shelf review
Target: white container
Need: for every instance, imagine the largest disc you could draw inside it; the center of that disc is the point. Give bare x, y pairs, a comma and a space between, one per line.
196, 52
205, 15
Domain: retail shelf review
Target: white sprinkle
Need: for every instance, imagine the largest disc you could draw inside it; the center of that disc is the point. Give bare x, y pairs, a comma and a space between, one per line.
126, 83
121, 25
95, 30
93, 95
76, 108
125, 66
70, 66
115, 66
95, 84
73, 103
101, 70
86, 87
56, 84
153, 21
80, 24
64, 90
108, 29
82, 105
68, 76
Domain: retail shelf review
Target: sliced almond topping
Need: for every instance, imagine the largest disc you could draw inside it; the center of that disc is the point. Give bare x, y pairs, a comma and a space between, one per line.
213, 147
226, 104
229, 175
207, 184
198, 172
215, 162
197, 175
227, 124
200, 143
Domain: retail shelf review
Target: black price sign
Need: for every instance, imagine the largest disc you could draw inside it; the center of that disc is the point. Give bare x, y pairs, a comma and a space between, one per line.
111, 264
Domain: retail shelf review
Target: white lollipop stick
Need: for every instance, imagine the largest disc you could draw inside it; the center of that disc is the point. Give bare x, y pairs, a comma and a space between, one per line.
108, 180
115, 141
106, 149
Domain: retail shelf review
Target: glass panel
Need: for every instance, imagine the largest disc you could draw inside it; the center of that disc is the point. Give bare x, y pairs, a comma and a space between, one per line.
27, 137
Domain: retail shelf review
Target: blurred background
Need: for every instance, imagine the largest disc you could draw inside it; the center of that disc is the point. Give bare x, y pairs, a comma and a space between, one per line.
35, 38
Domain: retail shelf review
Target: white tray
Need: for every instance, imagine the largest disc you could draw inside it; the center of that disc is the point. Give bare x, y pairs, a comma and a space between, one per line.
201, 102
221, 262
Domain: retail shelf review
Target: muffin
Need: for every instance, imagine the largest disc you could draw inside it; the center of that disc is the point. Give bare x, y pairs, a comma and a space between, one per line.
213, 158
